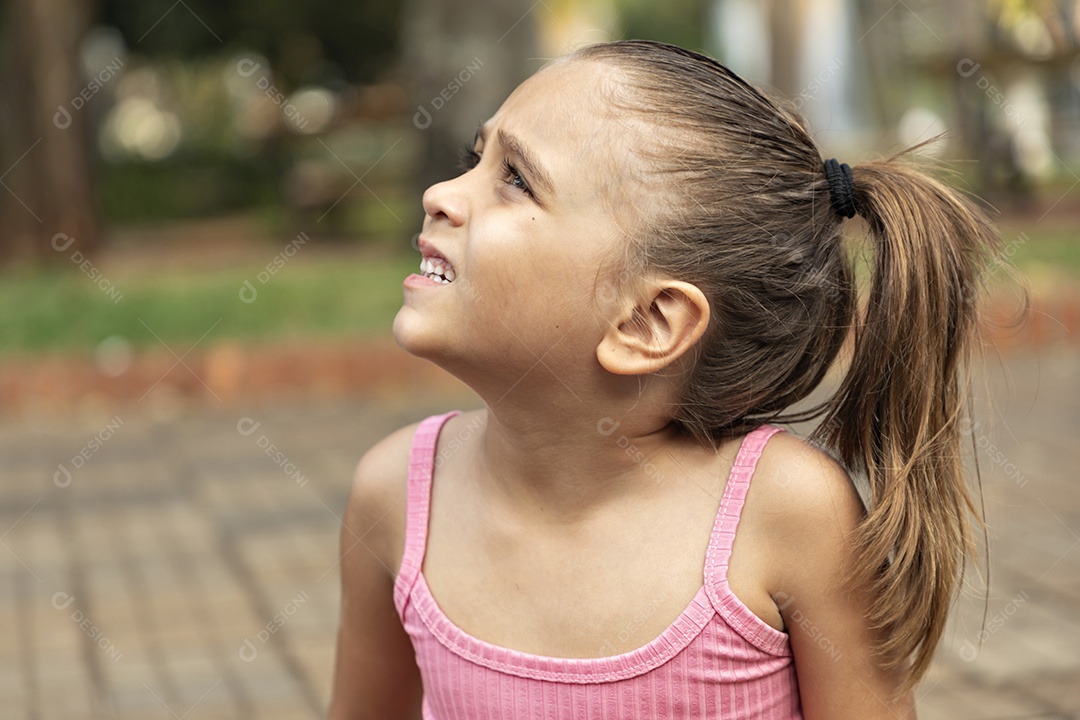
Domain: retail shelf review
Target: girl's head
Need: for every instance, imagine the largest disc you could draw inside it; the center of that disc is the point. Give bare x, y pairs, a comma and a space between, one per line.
644, 222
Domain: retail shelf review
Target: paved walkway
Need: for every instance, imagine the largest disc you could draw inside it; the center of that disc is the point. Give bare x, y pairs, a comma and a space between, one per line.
181, 567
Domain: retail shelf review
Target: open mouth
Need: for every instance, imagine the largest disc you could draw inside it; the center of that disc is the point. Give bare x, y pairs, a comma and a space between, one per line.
438, 269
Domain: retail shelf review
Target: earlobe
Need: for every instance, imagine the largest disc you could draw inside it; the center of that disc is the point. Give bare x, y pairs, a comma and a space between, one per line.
642, 341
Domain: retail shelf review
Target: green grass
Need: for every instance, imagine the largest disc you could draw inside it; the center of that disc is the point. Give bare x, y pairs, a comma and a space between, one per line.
1059, 249
64, 310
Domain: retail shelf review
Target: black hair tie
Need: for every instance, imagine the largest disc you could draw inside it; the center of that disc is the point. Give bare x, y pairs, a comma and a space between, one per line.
841, 188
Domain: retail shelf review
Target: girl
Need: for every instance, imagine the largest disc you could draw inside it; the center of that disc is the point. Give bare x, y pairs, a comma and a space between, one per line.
647, 271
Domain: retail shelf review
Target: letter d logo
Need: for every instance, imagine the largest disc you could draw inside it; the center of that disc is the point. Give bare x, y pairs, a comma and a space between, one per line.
606, 426
248, 651
248, 293
422, 118
246, 426
62, 477
62, 118
967, 67
62, 600
247, 67
63, 238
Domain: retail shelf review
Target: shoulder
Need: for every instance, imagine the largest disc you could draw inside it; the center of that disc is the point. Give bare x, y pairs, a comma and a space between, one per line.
378, 497
811, 505
376, 508
802, 480
384, 464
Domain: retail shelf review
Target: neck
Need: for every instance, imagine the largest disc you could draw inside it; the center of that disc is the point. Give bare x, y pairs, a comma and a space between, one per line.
560, 463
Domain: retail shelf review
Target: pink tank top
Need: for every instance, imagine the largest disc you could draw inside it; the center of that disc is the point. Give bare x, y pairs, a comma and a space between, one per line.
717, 660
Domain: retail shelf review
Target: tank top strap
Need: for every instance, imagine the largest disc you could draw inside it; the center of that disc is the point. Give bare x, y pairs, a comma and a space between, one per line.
422, 464
723, 538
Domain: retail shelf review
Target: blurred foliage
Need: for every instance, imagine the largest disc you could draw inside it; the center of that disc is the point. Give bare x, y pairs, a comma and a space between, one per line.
236, 152
679, 22
186, 185
187, 54
315, 40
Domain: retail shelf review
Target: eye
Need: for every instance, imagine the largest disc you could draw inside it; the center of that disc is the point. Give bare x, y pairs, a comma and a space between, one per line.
513, 178
468, 158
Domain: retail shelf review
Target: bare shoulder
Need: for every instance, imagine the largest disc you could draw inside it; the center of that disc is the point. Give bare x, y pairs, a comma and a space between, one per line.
376, 509
805, 485
811, 507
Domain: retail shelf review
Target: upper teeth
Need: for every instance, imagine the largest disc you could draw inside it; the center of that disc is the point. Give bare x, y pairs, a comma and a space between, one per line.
435, 266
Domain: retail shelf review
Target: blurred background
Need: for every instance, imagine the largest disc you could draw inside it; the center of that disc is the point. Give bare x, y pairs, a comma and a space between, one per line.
207, 212
156, 156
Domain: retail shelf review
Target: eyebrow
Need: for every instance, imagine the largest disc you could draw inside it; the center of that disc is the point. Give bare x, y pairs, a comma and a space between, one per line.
524, 156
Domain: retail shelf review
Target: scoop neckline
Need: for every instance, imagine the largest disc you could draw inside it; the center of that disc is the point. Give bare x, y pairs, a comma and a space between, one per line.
675, 638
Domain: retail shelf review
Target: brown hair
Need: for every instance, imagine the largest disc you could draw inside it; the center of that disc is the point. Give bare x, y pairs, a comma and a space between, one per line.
742, 210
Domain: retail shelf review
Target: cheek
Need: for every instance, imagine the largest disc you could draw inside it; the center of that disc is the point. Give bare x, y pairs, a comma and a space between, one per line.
504, 263
529, 286
531, 274
549, 309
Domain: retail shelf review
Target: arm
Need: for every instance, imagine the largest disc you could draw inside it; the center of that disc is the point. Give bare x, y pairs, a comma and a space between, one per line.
819, 510
375, 675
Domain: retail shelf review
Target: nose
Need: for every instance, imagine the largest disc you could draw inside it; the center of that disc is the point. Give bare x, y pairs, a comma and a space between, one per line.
446, 201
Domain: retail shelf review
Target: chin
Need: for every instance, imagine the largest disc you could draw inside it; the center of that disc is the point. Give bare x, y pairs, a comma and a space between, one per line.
416, 337
407, 332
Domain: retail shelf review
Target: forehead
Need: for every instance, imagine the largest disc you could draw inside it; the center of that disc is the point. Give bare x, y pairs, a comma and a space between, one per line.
563, 116
562, 100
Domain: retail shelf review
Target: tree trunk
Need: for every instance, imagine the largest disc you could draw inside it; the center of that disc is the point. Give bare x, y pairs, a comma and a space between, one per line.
786, 19
45, 151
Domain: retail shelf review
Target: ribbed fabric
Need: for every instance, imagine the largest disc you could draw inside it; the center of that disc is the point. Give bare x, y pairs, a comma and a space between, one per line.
717, 660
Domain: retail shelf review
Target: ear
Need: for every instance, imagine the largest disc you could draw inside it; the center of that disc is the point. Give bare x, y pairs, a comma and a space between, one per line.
649, 336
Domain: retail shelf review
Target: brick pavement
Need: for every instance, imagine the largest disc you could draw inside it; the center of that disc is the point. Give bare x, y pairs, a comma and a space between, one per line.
145, 582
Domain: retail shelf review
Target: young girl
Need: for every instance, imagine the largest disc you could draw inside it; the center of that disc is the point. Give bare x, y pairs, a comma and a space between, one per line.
641, 270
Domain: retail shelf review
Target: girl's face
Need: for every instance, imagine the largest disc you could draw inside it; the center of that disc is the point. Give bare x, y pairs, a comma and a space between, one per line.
525, 230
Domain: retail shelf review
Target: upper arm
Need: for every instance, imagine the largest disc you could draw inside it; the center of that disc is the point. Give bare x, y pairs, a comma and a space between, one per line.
375, 673
819, 511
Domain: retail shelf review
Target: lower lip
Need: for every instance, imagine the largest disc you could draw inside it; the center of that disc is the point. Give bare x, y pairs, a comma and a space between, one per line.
416, 281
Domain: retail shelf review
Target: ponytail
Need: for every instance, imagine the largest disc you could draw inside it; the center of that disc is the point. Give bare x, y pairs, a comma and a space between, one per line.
744, 217
898, 414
